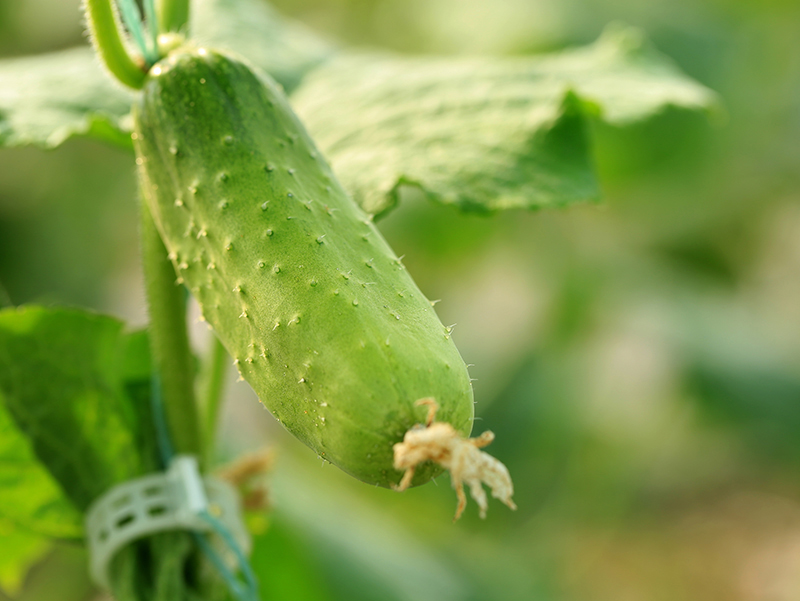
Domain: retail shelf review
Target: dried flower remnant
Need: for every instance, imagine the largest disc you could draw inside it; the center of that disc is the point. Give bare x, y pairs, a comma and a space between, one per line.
441, 443
249, 475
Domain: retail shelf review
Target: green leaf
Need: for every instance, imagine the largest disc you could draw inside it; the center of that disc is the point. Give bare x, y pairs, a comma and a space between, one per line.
21, 551
63, 375
33, 506
29, 496
484, 134
78, 388
46, 99
283, 48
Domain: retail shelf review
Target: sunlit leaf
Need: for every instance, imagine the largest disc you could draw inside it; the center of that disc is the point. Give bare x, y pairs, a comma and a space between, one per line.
29, 496
283, 48
46, 99
63, 378
484, 133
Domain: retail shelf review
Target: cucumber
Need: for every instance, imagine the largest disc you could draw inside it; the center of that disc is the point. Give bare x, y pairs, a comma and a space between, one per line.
321, 317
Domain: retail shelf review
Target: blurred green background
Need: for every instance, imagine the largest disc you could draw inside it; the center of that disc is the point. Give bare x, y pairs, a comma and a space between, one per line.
638, 360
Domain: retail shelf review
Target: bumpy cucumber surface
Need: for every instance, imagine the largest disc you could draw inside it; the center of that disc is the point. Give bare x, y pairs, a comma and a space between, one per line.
319, 314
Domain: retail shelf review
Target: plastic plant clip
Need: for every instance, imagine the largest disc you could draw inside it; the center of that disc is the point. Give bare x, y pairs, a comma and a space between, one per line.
173, 500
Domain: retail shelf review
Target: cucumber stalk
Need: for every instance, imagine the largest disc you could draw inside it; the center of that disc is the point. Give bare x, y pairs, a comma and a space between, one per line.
213, 387
110, 45
169, 340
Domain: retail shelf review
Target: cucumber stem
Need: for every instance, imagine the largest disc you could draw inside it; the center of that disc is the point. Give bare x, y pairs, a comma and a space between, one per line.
110, 45
173, 15
213, 387
169, 340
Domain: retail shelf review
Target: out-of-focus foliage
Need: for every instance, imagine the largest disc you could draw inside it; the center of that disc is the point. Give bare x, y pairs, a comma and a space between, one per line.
60, 575
638, 360
29, 496
350, 549
21, 550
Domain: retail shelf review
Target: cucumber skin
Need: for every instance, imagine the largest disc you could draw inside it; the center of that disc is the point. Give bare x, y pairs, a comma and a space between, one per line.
320, 316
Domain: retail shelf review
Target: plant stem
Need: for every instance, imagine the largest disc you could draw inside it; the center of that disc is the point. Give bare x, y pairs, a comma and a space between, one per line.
173, 15
169, 340
110, 45
213, 388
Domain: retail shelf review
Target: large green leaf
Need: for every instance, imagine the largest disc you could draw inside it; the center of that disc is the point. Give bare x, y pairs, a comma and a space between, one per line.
484, 134
29, 496
283, 48
46, 99
69, 380
77, 387
73, 380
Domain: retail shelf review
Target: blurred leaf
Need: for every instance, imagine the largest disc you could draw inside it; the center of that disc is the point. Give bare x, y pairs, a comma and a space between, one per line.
363, 553
762, 401
138, 362
29, 496
285, 566
61, 574
484, 134
283, 48
46, 99
20, 551
62, 374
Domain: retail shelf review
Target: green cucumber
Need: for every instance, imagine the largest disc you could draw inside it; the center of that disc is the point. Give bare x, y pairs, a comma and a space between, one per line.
321, 317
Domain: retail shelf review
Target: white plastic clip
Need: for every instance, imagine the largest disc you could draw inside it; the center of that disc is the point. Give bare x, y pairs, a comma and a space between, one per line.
172, 500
